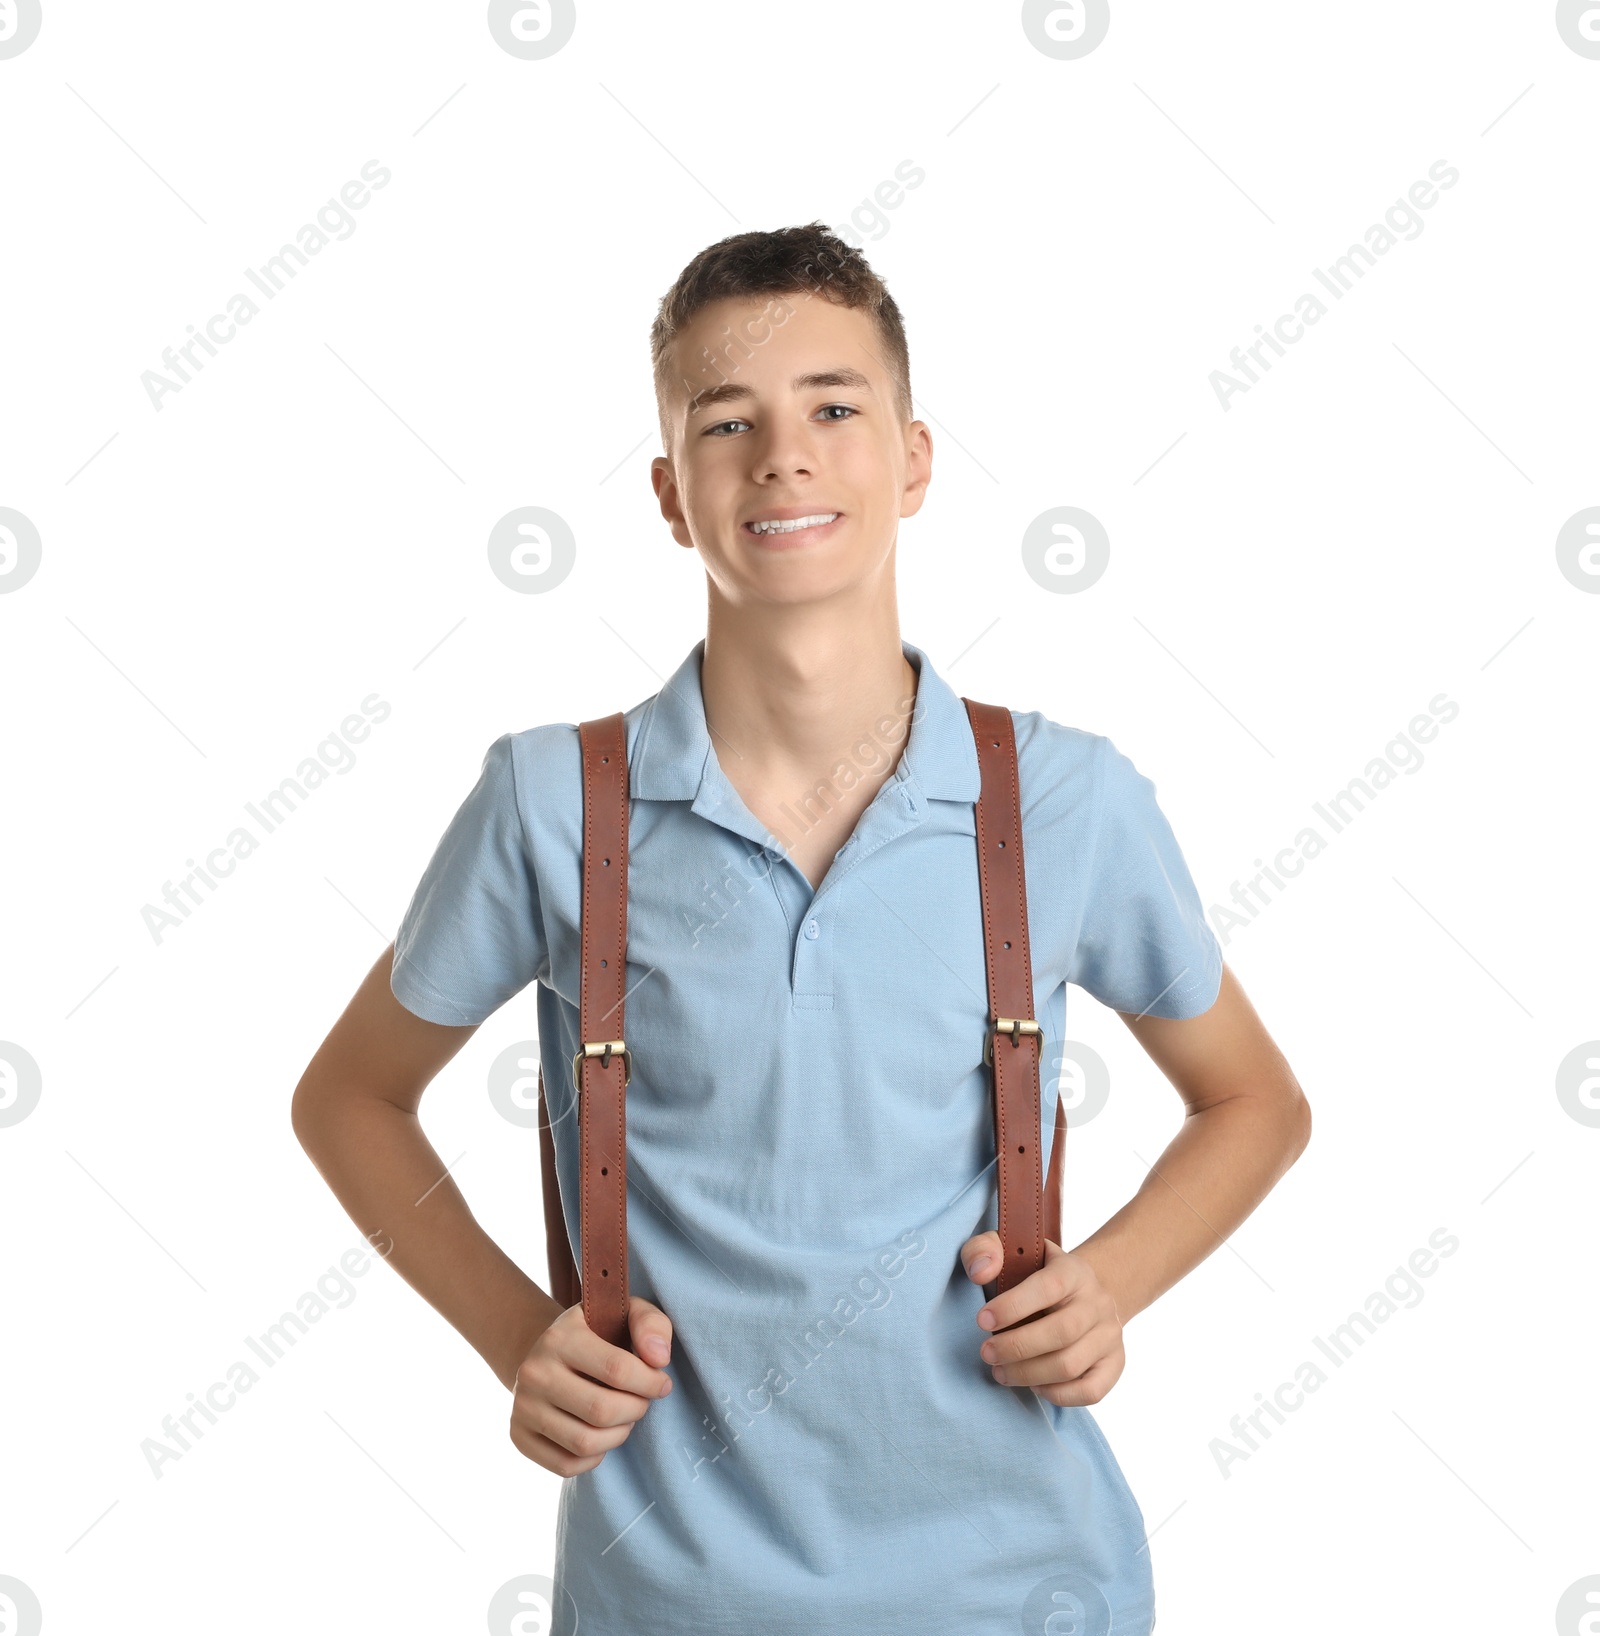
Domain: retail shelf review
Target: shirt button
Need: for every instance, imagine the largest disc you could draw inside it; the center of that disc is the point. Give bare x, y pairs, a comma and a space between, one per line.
813, 930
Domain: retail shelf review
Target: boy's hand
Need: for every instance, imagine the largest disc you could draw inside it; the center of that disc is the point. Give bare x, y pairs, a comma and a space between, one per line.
1072, 1352
578, 1396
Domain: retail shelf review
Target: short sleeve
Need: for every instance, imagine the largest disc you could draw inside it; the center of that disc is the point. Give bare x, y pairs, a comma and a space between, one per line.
472, 935
1144, 945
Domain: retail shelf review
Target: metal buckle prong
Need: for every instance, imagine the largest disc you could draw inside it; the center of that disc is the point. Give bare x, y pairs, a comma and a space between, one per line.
1015, 1027
605, 1050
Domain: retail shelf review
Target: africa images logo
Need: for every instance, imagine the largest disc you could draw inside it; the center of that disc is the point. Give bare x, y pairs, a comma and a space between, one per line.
19, 28
1402, 220
20, 548
1065, 29
531, 29
333, 221
1578, 24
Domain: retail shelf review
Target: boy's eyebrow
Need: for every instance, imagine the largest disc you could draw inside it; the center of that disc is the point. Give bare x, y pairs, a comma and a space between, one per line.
732, 391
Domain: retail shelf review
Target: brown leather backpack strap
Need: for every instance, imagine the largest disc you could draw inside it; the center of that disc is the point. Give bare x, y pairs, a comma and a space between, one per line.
1013, 1040
564, 1286
603, 1065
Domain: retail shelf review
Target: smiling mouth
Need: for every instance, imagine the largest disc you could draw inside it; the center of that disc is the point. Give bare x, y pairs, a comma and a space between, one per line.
777, 527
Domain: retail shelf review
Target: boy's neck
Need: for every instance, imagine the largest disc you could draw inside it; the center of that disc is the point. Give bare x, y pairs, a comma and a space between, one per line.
787, 697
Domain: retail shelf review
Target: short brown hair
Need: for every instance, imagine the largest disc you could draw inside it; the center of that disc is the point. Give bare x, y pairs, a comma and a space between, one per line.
786, 261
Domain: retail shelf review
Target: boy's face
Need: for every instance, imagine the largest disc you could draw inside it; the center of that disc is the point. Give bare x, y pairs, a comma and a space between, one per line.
799, 421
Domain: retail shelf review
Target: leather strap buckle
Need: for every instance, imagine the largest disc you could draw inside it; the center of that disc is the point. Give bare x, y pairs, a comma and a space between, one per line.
605, 1050
1015, 1027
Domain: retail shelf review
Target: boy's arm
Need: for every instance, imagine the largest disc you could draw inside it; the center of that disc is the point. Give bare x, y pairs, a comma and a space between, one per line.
355, 1113
1247, 1122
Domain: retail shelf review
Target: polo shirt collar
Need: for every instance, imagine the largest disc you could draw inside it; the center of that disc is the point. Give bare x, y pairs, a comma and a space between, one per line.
673, 759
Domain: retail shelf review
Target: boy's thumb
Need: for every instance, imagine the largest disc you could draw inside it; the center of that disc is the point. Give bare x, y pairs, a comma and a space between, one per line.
651, 1330
980, 1255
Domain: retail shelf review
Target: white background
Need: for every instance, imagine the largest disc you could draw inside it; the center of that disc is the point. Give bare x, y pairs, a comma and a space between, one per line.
1291, 580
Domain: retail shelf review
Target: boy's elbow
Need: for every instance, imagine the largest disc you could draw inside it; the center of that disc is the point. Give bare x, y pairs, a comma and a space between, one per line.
300, 1116
1299, 1121
305, 1109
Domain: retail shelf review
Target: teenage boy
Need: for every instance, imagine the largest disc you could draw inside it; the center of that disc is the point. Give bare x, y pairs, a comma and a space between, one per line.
814, 1429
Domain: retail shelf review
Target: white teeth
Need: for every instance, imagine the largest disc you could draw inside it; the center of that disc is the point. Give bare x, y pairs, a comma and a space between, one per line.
792, 524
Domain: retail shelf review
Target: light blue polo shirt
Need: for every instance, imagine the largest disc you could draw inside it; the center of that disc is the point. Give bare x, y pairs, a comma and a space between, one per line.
810, 1142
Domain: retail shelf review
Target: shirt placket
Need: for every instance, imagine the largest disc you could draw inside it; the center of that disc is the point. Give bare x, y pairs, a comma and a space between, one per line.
812, 916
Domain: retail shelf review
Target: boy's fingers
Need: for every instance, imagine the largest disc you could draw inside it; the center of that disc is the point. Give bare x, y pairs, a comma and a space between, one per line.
1088, 1388
1048, 1333
651, 1330
1053, 1283
615, 1366
1057, 1280
580, 1398
980, 1255
1045, 1360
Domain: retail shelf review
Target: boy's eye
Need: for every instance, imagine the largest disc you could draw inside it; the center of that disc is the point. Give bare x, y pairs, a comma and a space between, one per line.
721, 427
